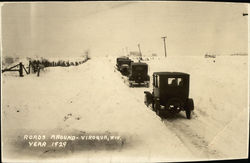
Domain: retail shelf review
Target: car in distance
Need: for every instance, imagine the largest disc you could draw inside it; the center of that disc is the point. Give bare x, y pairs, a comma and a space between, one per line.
122, 64
138, 74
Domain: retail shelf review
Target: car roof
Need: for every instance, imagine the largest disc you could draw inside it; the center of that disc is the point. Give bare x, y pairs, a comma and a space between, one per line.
139, 63
123, 57
171, 73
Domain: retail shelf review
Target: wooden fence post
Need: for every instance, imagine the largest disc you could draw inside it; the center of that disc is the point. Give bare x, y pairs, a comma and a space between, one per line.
20, 69
29, 66
25, 70
38, 71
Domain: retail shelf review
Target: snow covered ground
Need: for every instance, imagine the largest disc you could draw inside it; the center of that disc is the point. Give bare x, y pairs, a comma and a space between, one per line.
93, 98
219, 87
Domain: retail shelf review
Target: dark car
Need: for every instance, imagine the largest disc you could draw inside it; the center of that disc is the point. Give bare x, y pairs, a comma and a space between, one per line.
138, 74
170, 92
123, 64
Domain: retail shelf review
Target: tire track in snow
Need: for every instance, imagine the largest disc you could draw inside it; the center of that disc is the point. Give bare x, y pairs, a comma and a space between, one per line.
197, 144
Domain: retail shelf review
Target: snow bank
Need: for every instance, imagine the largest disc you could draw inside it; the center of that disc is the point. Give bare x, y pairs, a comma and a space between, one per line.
94, 99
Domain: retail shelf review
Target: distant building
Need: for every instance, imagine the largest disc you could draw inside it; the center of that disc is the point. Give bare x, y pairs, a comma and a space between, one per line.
134, 53
210, 56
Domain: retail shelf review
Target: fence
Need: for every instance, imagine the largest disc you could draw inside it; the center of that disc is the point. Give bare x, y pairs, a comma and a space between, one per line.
37, 65
19, 69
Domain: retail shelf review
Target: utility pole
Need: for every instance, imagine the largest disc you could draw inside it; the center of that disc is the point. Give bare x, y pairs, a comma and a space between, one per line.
140, 51
165, 45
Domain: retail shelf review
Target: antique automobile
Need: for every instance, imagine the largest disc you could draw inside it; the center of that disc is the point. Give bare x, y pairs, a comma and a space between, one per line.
170, 93
123, 64
138, 74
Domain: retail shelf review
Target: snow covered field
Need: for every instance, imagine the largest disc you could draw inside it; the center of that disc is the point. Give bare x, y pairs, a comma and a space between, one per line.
93, 98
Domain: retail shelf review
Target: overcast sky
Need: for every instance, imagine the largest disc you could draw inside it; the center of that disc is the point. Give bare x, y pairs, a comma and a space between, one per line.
107, 28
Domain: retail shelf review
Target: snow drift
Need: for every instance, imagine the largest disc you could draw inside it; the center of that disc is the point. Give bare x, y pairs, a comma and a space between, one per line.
93, 98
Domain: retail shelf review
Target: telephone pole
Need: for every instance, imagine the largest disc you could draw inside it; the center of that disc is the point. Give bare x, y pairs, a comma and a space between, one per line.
140, 51
165, 45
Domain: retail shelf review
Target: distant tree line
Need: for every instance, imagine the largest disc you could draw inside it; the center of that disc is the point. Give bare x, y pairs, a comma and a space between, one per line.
239, 54
42, 63
210, 56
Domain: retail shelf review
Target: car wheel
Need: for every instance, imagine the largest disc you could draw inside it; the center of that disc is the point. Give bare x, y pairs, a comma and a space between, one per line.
153, 105
188, 113
157, 108
158, 112
156, 105
190, 104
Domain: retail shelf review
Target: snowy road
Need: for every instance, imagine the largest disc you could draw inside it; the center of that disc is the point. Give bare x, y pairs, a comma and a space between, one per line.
220, 118
93, 98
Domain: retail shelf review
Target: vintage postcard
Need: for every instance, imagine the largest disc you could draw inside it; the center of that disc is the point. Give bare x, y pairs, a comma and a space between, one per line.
124, 81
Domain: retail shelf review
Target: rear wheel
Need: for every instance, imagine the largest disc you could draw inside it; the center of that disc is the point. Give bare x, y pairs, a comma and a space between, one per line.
190, 104
153, 105
188, 113
158, 108
158, 112
189, 108
156, 105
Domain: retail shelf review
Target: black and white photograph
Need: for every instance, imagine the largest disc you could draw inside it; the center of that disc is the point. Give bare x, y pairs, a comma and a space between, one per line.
124, 81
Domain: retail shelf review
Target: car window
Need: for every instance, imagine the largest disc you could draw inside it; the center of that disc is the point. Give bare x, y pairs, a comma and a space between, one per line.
157, 81
175, 82
153, 80
139, 68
